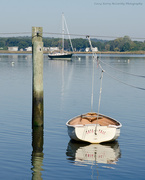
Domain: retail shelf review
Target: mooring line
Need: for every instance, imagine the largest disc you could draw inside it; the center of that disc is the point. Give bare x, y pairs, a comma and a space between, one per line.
142, 76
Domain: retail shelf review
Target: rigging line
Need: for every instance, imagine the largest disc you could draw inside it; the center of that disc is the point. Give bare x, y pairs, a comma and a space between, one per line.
16, 33
80, 35
120, 80
122, 71
68, 34
63, 32
124, 82
84, 35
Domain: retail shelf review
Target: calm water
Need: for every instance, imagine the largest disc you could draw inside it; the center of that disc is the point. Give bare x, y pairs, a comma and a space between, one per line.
67, 93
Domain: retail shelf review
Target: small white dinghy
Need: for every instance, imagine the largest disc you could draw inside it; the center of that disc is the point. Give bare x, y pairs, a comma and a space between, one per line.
92, 128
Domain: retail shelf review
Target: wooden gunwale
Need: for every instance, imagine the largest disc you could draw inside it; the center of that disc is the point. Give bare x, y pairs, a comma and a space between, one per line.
93, 118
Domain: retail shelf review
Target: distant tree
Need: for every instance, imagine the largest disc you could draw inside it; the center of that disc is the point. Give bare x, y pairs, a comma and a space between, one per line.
12, 42
112, 46
125, 47
107, 47
119, 44
143, 46
125, 44
2, 43
23, 44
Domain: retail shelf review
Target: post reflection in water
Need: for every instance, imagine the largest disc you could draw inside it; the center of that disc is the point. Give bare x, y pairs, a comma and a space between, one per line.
37, 153
82, 153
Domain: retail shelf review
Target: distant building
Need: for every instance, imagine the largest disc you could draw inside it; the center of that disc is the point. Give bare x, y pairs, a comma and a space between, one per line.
28, 49
45, 48
95, 49
15, 48
54, 49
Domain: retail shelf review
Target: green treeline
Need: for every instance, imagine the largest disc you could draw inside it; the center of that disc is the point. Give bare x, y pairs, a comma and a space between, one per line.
79, 44
21, 42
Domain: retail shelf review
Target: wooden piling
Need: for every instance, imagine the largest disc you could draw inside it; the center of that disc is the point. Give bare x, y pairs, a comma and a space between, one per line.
37, 78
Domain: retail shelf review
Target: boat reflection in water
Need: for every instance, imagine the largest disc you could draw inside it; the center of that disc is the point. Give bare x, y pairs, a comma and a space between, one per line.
82, 153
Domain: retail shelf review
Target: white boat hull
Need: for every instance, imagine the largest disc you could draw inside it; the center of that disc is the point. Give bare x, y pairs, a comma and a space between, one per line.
93, 133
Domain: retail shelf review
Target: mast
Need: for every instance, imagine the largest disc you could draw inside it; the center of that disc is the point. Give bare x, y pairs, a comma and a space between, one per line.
62, 31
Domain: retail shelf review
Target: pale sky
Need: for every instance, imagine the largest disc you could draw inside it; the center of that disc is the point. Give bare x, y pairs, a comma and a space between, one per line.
93, 17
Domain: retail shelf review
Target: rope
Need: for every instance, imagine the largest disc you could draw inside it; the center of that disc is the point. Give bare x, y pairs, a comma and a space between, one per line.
142, 76
84, 35
16, 33
80, 35
68, 34
124, 82
140, 88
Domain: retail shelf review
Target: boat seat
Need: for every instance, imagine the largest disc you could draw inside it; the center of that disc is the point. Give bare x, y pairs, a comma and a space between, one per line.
91, 118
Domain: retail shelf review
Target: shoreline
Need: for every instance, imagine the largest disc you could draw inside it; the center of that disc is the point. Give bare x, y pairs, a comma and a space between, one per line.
77, 52
113, 52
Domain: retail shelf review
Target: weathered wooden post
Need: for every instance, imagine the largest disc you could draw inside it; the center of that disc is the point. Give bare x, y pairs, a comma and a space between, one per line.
37, 81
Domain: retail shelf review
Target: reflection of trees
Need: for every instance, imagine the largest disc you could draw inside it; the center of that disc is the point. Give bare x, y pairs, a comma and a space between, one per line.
37, 153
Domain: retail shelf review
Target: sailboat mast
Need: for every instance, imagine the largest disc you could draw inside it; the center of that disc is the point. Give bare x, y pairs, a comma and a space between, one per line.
62, 31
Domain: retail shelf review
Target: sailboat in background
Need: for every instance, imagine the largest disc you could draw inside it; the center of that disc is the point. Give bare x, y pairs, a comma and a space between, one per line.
62, 55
